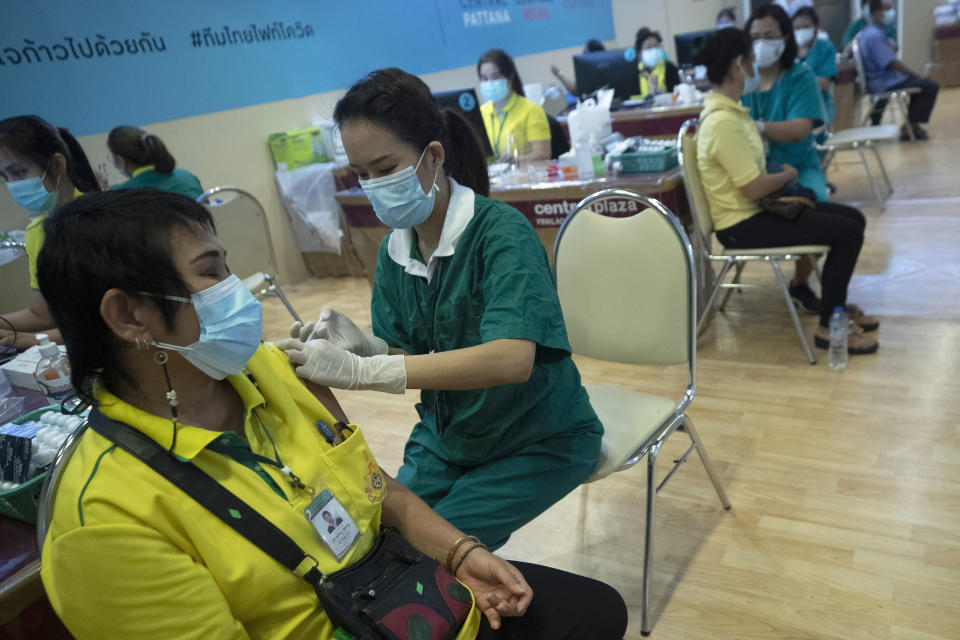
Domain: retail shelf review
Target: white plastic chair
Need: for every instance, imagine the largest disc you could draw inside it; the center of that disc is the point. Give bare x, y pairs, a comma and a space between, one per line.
627, 291
245, 234
736, 258
899, 98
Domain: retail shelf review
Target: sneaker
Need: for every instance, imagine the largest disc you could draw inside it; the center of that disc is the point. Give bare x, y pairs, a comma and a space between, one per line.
858, 342
856, 314
804, 297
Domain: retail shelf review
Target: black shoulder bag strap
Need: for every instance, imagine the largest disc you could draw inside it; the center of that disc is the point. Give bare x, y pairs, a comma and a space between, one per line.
236, 513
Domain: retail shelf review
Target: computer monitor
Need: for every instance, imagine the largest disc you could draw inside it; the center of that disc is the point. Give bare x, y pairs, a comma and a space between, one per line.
465, 102
613, 69
688, 44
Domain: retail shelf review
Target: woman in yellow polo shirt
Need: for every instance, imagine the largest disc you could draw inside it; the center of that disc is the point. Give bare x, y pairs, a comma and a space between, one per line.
43, 167
163, 339
657, 74
144, 158
517, 128
732, 165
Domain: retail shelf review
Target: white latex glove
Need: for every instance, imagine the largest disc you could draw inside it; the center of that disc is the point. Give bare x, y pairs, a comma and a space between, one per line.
341, 331
325, 363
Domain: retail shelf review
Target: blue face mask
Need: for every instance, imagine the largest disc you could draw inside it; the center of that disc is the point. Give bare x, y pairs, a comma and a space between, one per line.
750, 83
398, 199
230, 328
724, 25
32, 195
652, 57
494, 90
890, 17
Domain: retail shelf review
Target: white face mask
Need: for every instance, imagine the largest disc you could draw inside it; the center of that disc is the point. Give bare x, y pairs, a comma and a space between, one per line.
767, 52
890, 16
805, 36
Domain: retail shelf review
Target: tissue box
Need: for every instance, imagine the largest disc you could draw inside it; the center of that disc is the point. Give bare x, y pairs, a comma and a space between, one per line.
19, 371
294, 149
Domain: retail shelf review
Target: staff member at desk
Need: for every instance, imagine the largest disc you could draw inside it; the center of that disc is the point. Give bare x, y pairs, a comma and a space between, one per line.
128, 555
464, 308
43, 167
516, 127
144, 158
817, 53
657, 74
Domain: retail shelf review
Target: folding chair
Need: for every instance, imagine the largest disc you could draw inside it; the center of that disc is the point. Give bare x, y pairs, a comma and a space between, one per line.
899, 98
736, 258
627, 291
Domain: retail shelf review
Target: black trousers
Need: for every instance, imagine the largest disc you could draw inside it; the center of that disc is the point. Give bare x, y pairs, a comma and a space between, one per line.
839, 226
565, 606
921, 104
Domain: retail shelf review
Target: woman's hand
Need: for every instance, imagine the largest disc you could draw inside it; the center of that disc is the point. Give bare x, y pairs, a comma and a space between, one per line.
790, 170
498, 587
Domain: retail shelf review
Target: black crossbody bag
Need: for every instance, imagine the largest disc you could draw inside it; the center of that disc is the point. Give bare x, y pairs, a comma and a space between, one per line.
393, 593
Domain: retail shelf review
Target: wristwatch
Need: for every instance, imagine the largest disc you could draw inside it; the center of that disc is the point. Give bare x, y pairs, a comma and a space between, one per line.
761, 126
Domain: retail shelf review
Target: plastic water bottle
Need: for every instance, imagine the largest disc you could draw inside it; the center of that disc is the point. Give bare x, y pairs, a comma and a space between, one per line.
53, 371
839, 328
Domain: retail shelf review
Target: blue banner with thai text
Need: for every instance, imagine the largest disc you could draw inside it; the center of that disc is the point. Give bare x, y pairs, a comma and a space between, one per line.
96, 64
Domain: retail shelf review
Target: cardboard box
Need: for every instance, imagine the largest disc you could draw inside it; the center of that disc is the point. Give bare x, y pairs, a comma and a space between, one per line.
946, 44
19, 371
946, 74
295, 149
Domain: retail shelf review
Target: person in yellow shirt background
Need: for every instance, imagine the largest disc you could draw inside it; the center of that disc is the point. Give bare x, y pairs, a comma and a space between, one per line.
657, 74
163, 340
43, 167
517, 128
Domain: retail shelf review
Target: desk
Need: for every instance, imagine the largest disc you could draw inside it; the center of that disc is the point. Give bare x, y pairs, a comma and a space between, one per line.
651, 123
545, 205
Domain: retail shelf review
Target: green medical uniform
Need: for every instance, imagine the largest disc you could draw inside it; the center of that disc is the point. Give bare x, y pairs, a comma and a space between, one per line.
177, 181
822, 60
489, 460
795, 94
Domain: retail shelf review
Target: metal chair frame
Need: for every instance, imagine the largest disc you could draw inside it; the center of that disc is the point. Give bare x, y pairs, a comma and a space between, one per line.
898, 97
50, 484
772, 256
679, 421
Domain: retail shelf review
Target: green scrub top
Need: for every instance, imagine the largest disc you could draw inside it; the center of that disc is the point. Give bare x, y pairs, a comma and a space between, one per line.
177, 181
822, 60
858, 25
496, 285
795, 94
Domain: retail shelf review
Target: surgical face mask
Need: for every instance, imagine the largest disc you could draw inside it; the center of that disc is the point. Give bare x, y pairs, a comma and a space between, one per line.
890, 16
724, 25
398, 199
230, 328
32, 195
866, 11
494, 90
805, 36
652, 57
750, 83
767, 52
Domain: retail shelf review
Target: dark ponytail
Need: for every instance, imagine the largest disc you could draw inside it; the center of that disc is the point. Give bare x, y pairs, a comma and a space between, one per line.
140, 148
35, 139
720, 49
402, 103
507, 67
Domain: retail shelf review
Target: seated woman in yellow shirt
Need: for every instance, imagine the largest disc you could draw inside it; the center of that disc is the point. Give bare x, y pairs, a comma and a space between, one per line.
163, 340
657, 74
732, 165
43, 167
517, 127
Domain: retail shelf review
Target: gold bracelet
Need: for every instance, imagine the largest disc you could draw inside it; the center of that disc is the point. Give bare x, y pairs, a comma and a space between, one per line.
454, 547
476, 545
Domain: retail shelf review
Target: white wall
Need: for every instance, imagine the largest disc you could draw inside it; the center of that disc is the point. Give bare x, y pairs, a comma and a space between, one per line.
229, 147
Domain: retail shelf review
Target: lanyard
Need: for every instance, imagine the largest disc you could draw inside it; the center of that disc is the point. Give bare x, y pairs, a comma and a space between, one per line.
501, 121
761, 108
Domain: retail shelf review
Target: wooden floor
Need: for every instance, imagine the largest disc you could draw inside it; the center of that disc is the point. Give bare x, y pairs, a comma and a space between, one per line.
845, 485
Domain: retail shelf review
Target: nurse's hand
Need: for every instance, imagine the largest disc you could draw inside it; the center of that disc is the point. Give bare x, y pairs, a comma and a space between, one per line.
498, 587
341, 331
326, 364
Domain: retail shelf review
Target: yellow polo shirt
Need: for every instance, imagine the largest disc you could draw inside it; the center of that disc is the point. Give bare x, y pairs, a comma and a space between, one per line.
729, 155
128, 555
521, 118
33, 242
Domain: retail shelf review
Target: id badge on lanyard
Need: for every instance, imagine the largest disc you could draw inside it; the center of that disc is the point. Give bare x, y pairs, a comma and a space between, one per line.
332, 523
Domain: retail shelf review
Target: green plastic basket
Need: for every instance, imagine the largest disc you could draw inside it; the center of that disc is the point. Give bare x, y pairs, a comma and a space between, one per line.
21, 502
646, 161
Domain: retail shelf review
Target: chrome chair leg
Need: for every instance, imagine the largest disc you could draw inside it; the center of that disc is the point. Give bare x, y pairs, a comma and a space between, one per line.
883, 169
902, 99
648, 539
276, 289
873, 183
736, 280
815, 259
784, 287
705, 459
713, 295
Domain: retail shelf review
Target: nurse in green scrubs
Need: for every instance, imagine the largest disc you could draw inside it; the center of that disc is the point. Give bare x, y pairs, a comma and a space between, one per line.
817, 53
145, 159
786, 105
465, 309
